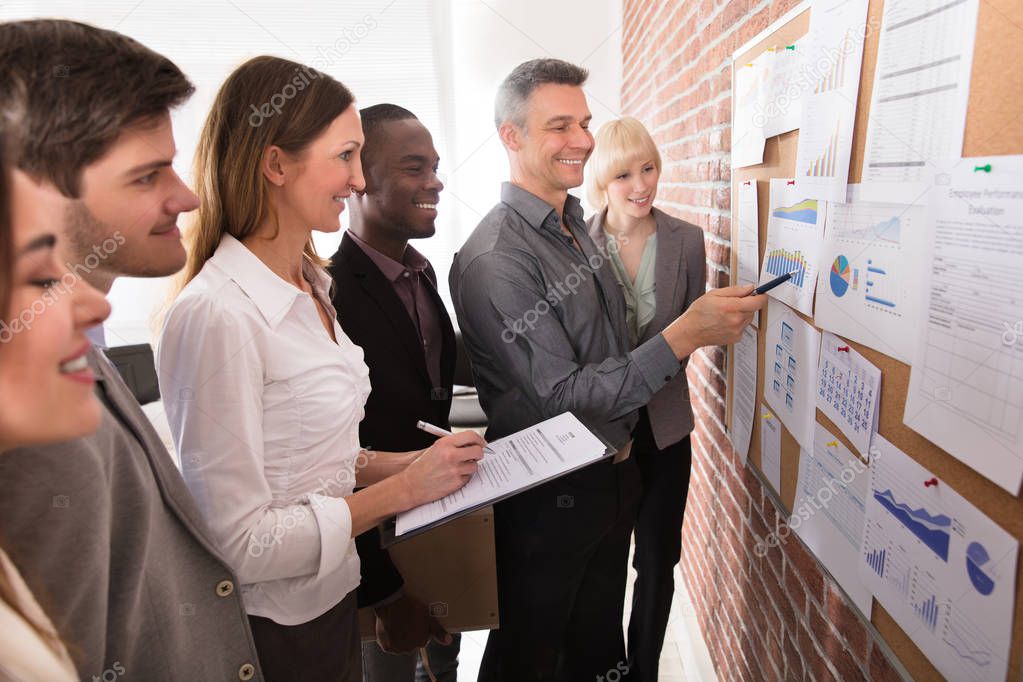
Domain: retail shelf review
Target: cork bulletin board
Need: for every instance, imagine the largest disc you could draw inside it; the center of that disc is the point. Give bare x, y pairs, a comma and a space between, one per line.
994, 127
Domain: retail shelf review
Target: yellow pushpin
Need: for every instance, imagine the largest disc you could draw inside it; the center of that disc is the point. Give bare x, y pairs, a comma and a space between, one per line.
833, 444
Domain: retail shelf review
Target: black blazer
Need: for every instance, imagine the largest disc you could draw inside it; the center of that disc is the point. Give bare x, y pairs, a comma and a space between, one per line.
373, 317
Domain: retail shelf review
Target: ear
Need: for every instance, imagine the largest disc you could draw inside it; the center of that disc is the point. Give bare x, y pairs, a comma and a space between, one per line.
511, 136
272, 165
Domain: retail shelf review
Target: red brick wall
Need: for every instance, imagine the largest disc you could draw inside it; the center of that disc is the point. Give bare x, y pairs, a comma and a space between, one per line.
770, 617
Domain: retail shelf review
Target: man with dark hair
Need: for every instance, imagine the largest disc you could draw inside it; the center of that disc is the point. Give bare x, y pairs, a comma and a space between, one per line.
102, 528
386, 299
545, 327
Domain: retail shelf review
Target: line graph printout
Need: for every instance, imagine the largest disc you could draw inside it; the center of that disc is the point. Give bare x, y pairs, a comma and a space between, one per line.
966, 385
921, 89
943, 570
829, 508
795, 234
868, 286
835, 51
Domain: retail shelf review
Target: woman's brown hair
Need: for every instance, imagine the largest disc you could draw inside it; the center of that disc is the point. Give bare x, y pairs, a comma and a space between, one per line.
265, 101
7, 595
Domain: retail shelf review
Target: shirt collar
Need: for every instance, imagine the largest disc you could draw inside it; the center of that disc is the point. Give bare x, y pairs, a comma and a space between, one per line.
271, 295
412, 260
534, 209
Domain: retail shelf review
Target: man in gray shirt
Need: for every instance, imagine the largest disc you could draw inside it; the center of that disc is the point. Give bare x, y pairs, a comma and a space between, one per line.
544, 324
102, 528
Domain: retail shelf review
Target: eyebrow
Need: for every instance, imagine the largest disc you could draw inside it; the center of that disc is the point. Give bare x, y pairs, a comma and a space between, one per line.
45, 241
418, 158
566, 119
151, 166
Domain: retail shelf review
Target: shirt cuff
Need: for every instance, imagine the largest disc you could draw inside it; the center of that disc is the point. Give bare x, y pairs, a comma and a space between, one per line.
334, 519
656, 361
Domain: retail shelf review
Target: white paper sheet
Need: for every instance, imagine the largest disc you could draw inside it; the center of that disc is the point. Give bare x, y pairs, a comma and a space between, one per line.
848, 390
834, 53
966, 385
748, 254
786, 83
747, 125
869, 282
921, 89
744, 391
944, 571
791, 350
829, 510
514, 463
770, 447
795, 236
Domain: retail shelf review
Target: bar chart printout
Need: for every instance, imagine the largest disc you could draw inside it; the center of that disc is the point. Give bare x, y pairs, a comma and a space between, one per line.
835, 51
942, 569
795, 235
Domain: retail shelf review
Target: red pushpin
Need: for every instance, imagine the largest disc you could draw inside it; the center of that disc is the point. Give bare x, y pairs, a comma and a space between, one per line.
928, 484
791, 182
747, 183
843, 349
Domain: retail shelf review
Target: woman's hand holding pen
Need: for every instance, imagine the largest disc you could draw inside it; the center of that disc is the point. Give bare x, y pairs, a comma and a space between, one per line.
443, 468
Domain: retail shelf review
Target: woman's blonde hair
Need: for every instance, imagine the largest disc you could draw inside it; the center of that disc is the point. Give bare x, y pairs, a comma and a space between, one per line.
265, 101
618, 144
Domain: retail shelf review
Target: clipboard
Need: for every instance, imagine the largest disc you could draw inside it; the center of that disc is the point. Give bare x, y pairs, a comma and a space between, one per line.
453, 570
389, 538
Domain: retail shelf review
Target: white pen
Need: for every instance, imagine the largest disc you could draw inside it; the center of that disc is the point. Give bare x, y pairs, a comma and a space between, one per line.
431, 429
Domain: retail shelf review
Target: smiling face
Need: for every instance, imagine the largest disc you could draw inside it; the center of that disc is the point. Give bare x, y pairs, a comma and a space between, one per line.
317, 181
125, 223
46, 385
402, 187
556, 142
632, 190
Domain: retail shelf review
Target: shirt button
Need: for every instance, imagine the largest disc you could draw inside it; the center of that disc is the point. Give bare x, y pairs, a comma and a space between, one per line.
246, 672
225, 588
405, 274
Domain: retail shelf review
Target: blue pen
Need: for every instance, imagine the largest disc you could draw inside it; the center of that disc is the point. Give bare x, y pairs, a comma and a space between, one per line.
764, 288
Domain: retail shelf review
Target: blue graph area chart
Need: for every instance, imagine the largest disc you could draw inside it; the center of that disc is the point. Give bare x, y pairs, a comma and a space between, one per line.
933, 531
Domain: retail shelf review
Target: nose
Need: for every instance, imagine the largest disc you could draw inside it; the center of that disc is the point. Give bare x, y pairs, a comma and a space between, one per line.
89, 305
433, 182
357, 181
181, 199
583, 139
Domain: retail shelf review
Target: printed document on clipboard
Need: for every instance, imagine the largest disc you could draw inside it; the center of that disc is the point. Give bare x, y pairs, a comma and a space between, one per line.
510, 465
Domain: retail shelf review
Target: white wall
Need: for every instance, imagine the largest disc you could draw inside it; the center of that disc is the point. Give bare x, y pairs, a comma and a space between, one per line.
442, 58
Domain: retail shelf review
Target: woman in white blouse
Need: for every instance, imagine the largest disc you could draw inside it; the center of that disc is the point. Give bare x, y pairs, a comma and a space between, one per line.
46, 388
263, 390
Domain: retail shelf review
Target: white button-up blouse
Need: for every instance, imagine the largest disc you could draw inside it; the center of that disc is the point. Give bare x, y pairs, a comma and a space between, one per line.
264, 409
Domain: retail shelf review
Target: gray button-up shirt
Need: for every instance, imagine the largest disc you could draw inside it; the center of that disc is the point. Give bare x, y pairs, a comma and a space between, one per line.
544, 323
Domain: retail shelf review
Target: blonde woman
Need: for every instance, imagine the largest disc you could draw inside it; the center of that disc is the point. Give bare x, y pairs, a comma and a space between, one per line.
264, 391
46, 388
659, 263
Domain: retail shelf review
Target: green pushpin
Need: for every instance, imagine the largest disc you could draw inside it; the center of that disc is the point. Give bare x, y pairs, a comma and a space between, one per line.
790, 47
986, 168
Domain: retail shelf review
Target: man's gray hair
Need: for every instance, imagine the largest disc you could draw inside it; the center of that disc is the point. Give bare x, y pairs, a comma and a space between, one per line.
515, 90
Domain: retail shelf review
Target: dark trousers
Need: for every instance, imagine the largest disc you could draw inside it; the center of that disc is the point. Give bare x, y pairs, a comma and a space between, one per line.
380, 666
562, 555
665, 476
326, 649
